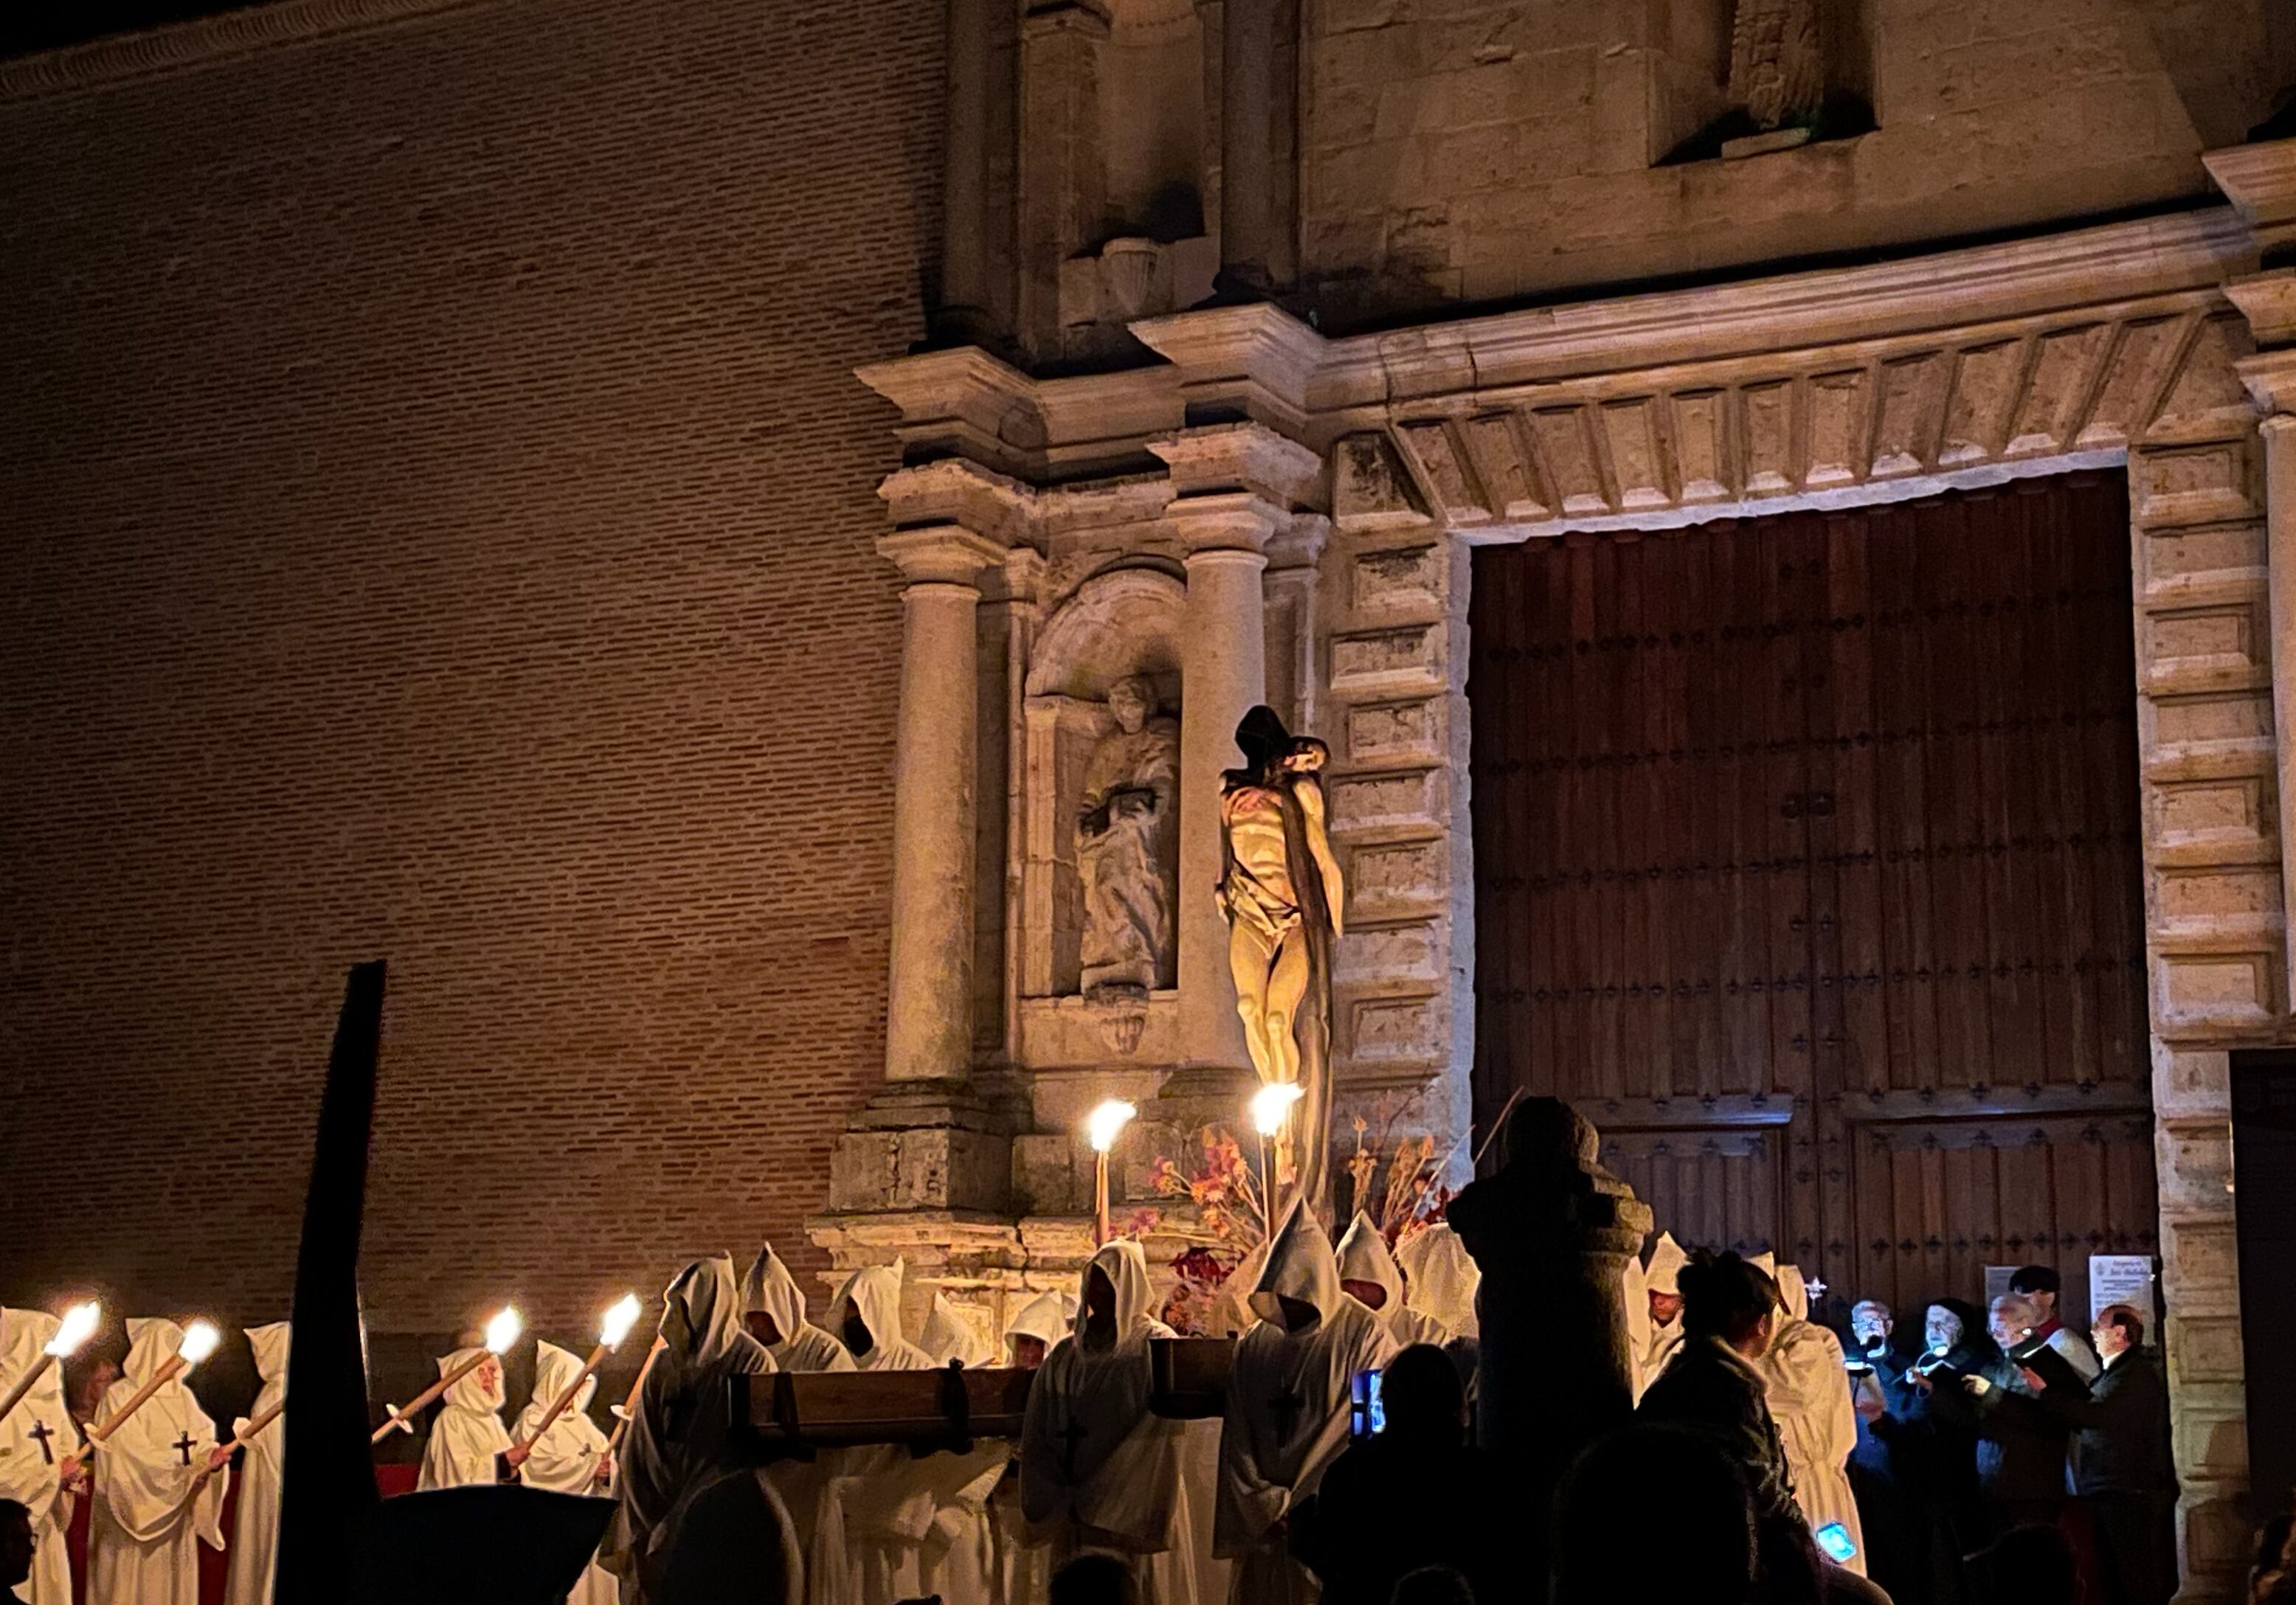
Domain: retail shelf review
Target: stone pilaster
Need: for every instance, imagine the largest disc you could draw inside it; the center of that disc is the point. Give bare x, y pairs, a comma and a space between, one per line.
1062, 181
1260, 143
1236, 486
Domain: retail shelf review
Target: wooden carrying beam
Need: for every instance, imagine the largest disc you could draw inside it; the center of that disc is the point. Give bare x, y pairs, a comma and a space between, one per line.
783, 1412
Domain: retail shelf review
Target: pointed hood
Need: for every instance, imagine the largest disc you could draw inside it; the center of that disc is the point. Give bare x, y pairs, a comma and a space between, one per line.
471, 1392
1364, 1256
555, 1371
1045, 1317
1125, 1263
150, 1342
1666, 1262
24, 1339
1793, 1292
270, 1344
1766, 1262
770, 1290
874, 1293
1301, 1265
701, 1316
949, 1336
1442, 1279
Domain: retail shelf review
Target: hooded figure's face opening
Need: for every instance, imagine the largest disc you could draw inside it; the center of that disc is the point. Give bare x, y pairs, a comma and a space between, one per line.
857, 1332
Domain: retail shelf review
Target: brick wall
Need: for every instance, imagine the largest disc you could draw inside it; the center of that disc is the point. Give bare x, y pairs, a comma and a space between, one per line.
438, 526
1479, 151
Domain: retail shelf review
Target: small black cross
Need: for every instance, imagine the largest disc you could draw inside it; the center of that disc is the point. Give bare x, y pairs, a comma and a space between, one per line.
1075, 1433
44, 1432
1287, 1406
182, 1447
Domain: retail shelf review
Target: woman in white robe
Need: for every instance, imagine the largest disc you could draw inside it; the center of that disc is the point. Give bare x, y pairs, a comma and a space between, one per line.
35, 1439
1288, 1408
468, 1433
1808, 1392
879, 1503
255, 1527
1369, 1275
158, 1495
569, 1455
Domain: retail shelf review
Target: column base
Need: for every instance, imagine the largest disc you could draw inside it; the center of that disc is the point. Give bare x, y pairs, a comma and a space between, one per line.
926, 1145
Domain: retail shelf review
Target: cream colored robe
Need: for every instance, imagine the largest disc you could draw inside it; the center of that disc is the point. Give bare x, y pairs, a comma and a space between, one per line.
469, 1432
34, 1440
255, 1528
153, 1507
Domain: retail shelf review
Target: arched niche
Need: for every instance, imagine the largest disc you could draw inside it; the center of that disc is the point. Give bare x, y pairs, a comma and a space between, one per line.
1121, 624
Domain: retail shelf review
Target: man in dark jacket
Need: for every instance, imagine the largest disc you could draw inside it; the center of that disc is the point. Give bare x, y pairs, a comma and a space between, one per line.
2121, 1467
2021, 1447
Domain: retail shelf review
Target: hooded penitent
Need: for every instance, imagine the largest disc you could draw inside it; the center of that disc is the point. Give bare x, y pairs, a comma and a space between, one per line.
468, 1432
35, 1439
875, 1294
676, 1446
1045, 1318
255, 1530
1364, 1256
1665, 1268
1802, 1377
1094, 1463
949, 1336
1288, 1402
564, 1459
1441, 1279
152, 1504
770, 1290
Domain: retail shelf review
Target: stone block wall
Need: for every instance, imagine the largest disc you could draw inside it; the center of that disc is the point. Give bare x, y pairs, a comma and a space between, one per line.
440, 526
1477, 151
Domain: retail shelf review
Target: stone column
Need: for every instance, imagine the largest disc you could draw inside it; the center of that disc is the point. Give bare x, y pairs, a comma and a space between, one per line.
929, 1009
1235, 486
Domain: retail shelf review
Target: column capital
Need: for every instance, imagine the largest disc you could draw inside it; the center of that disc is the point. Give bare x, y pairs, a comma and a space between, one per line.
1223, 458
1233, 526
2268, 301
947, 554
2270, 377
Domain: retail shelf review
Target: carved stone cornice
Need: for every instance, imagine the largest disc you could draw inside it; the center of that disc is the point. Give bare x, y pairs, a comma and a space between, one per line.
939, 555
2261, 182
195, 44
2268, 301
956, 492
1246, 457
2270, 377
1253, 362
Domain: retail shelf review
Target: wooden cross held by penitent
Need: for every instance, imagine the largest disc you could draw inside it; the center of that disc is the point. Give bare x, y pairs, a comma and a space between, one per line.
628, 1407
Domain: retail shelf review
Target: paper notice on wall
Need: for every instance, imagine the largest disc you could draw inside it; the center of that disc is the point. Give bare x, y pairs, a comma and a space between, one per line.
2120, 1279
1996, 1281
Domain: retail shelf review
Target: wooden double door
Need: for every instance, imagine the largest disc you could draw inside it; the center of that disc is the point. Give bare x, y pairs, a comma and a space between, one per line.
1807, 866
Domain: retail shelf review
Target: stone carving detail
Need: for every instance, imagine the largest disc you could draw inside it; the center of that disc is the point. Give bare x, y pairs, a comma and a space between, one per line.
1777, 63
1127, 847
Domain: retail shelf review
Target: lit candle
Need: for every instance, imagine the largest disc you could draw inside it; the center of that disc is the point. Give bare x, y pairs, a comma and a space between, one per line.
1102, 1128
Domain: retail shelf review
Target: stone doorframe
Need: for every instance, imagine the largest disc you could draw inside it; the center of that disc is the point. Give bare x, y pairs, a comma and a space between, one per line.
2167, 345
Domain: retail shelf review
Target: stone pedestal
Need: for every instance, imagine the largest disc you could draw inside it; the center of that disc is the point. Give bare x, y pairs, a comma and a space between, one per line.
1552, 1232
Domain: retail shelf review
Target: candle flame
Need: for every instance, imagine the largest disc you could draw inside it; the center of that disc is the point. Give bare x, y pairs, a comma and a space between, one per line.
1271, 1106
1104, 1123
503, 1331
79, 1325
199, 1342
619, 1321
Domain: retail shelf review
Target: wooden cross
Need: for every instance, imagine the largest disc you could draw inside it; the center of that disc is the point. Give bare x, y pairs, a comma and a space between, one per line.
1287, 1406
182, 1447
44, 1432
1075, 1433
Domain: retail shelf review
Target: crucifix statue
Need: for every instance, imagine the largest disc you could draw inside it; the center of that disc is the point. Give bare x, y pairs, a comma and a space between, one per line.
1281, 890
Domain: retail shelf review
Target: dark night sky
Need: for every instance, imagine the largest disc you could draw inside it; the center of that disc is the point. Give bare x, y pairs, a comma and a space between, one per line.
45, 26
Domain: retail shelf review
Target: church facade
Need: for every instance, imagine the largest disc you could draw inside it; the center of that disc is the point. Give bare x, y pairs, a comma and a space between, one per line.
732, 548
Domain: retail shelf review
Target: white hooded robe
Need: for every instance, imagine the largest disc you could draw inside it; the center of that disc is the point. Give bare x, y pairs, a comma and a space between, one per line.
1662, 1275
1288, 1408
770, 1290
255, 1528
1098, 1471
469, 1432
1440, 1280
564, 1459
1364, 1256
675, 1449
151, 1505
35, 1439
1808, 1392
878, 1504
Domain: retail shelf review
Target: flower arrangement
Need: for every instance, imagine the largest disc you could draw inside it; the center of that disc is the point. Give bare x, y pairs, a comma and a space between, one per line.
1412, 1198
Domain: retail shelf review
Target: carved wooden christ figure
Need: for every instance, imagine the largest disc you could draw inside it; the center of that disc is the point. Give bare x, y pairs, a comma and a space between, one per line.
1127, 845
1281, 891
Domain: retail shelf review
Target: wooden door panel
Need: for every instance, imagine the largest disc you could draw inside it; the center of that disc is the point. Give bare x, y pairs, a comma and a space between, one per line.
1718, 1188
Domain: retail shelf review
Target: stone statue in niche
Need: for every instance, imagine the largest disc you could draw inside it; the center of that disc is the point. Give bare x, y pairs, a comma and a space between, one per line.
1281, 890
1127, 839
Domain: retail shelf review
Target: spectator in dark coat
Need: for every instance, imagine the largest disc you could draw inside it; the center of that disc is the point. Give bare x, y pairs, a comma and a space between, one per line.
1414, 1497
1729, 1312
1887, 1469
2121, 1466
